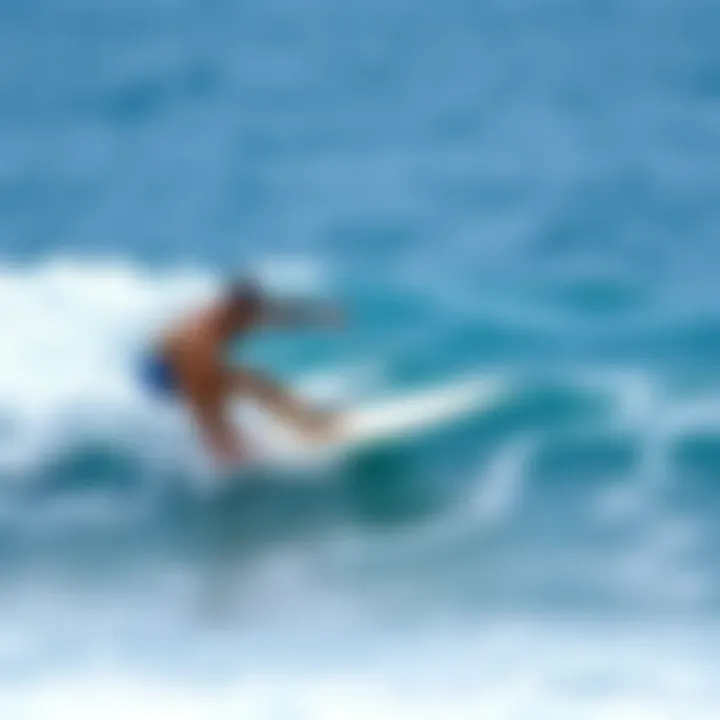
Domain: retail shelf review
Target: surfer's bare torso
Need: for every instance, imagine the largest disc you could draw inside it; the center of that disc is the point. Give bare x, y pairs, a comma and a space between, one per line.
195, 347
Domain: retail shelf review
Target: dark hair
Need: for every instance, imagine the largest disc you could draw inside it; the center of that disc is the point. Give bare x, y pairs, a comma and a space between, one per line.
244, 293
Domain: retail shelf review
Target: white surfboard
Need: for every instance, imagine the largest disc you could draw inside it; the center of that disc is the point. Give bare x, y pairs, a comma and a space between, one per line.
406, 415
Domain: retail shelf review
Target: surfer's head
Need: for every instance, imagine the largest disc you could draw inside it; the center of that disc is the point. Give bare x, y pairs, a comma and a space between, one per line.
243, 303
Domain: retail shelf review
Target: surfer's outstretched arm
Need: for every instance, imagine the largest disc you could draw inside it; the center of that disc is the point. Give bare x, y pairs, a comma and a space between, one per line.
299, 314
280, 402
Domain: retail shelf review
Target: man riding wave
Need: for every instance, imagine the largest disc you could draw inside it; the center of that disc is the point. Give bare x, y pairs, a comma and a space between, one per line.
188, 363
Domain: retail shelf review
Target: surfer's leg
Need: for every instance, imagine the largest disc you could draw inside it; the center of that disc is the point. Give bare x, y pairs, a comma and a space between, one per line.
280, 402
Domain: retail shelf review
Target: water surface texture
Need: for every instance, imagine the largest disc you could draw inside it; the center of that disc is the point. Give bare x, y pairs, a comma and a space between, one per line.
524, 189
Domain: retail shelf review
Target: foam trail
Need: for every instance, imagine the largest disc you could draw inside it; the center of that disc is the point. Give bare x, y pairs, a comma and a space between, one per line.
500, 492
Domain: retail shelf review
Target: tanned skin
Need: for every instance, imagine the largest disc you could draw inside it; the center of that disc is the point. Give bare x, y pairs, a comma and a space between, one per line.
195, 349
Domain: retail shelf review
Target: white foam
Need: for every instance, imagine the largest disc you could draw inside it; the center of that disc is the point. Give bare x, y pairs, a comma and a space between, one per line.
71, 330
499, 673
70, 333
500, 492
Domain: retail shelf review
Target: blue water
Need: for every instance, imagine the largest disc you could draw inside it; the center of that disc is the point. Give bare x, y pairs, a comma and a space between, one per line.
524, 189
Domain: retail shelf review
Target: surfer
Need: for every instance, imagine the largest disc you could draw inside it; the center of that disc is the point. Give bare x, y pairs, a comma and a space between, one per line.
187, 363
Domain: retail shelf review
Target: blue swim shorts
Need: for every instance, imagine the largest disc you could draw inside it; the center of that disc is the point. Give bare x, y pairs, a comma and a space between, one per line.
157, 375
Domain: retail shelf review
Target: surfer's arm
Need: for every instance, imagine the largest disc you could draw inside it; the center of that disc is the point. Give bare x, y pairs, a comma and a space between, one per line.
301, 314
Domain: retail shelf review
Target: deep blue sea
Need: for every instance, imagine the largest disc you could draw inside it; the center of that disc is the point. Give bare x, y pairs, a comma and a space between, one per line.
523, 189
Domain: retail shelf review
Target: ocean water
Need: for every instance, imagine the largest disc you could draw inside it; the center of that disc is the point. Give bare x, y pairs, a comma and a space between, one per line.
525, 190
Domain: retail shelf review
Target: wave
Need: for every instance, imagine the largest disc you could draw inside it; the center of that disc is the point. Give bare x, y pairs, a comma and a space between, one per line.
582, 475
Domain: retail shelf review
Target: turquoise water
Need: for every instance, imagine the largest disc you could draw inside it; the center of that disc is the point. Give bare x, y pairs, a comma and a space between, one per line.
528, 190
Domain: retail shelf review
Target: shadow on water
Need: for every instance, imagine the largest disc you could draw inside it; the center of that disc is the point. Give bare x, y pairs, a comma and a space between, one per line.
386, 487
226, 536
378, 486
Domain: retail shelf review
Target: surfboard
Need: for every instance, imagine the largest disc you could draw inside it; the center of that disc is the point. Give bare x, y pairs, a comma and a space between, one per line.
382, 420
415, 412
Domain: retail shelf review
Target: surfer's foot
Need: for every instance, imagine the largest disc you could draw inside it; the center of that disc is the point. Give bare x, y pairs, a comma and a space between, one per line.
322, 426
